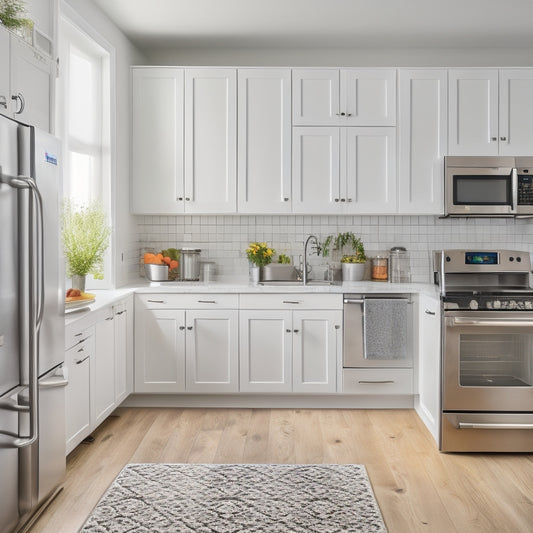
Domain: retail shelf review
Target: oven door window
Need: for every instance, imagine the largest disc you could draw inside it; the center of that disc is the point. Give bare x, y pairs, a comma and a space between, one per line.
482, 190
496, 360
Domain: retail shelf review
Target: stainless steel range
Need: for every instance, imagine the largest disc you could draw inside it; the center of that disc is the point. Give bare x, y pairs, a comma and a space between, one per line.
487, 355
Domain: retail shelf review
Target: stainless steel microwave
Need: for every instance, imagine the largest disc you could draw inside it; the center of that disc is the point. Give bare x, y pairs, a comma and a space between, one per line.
488, 186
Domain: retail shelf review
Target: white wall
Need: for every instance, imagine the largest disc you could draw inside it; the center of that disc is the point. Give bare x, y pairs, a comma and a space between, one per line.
125, 54
343, 57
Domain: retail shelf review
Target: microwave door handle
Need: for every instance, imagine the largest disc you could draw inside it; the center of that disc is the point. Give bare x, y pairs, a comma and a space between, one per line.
514, 190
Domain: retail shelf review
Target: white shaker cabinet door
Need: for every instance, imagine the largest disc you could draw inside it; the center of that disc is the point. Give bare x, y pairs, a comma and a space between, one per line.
315, 170
315, 94
516, 111
368, 97
473, 112
317, 345
159, 349
157, 141
103, 399
210, 140
31, 85
265, 351
264, 140
422, 140
368, 170
5, 95
212, 351
123, 349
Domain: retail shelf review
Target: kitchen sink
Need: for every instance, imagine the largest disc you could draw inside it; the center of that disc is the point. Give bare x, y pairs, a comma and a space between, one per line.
294, 283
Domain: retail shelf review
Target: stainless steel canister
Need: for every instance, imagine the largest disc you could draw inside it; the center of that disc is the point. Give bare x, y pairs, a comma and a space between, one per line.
190, 264
400, 265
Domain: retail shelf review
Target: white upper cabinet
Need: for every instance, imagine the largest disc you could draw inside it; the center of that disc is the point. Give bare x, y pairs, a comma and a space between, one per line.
473, 119
346, 97
184, 141
368, 170
210, 140
264, 140
157, 140
490, 111
315, 175
344, 170
516, 112
422, 128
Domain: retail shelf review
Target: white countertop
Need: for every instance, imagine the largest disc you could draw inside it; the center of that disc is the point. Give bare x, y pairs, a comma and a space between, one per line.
241, 286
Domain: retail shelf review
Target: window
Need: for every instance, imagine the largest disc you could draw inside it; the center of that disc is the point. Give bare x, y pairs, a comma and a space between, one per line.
84, 123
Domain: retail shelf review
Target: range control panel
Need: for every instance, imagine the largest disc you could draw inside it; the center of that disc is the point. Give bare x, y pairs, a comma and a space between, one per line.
474, 261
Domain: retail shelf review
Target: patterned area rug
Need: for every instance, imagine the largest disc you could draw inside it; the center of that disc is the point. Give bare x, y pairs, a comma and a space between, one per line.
205, 498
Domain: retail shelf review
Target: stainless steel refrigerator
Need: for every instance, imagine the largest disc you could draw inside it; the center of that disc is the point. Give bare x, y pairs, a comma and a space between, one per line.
32, 375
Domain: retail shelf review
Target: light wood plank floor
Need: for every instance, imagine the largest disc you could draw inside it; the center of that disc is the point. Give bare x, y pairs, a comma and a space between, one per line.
417, 488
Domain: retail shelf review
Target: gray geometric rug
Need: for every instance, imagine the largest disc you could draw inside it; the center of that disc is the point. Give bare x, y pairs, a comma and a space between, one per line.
238, 498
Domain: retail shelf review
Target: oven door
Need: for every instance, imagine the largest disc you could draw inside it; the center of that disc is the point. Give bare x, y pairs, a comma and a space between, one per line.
481, 191
488, 361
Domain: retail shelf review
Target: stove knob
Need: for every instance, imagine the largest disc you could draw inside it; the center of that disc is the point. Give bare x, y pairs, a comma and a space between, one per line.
519, 259
489, 305
474, 304
529, 305
497, 304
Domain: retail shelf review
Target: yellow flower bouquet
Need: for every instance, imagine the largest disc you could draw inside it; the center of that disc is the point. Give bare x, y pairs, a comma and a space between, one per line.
259, 253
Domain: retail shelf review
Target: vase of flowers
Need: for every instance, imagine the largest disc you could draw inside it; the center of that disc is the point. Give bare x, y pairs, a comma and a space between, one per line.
259, 254
85, 239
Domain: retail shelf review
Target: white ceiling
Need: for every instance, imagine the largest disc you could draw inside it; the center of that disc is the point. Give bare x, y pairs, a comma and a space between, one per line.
324, 23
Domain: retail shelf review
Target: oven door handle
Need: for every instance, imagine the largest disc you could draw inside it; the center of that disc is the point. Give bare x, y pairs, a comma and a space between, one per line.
491, 322
474, 425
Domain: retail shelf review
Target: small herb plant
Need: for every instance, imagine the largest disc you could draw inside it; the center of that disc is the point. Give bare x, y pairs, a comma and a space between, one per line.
342, 241
85, 239
259, 253
284, 259
12, 14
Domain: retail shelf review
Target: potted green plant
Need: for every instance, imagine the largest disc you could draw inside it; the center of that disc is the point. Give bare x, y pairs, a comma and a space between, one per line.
353, 254
85, 239
12, 16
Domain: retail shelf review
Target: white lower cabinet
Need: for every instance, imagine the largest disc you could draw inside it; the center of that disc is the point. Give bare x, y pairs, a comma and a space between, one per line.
78, 359
288, 350
185, 350
427, 401
99, 361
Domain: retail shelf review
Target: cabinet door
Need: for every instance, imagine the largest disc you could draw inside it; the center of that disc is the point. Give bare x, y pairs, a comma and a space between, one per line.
210, 140
473, 112
104, 368
265, 351
264, 140
429, 359
157, 140
77, 393
123, 350
368, 97
212, 351
5, 95
159, 350
31, 85
516, 111
316, 350
315, 97
422, 140
315, 170
368, 170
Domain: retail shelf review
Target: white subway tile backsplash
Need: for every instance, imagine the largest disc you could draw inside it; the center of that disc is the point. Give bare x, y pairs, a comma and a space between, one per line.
224, 238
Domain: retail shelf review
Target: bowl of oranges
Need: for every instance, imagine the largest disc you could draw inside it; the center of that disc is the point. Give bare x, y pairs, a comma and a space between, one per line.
162, 266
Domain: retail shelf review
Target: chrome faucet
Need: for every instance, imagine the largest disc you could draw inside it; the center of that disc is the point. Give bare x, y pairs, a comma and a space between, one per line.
304, 268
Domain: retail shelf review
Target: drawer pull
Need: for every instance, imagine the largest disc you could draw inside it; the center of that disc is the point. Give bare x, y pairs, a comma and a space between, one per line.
207, 302
296, 330
189, 328
287, 330
372, 382
79, 334
428, 312
81, 360
110, 318
157, 301
290, 302
181, 328
121, 312
82, 349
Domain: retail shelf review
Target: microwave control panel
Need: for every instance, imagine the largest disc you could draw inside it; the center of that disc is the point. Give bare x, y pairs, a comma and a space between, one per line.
525, 188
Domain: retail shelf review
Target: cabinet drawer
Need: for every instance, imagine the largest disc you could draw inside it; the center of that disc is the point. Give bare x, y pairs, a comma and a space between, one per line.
78, 353
382, 381
74, 335
188, 301
291, 301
